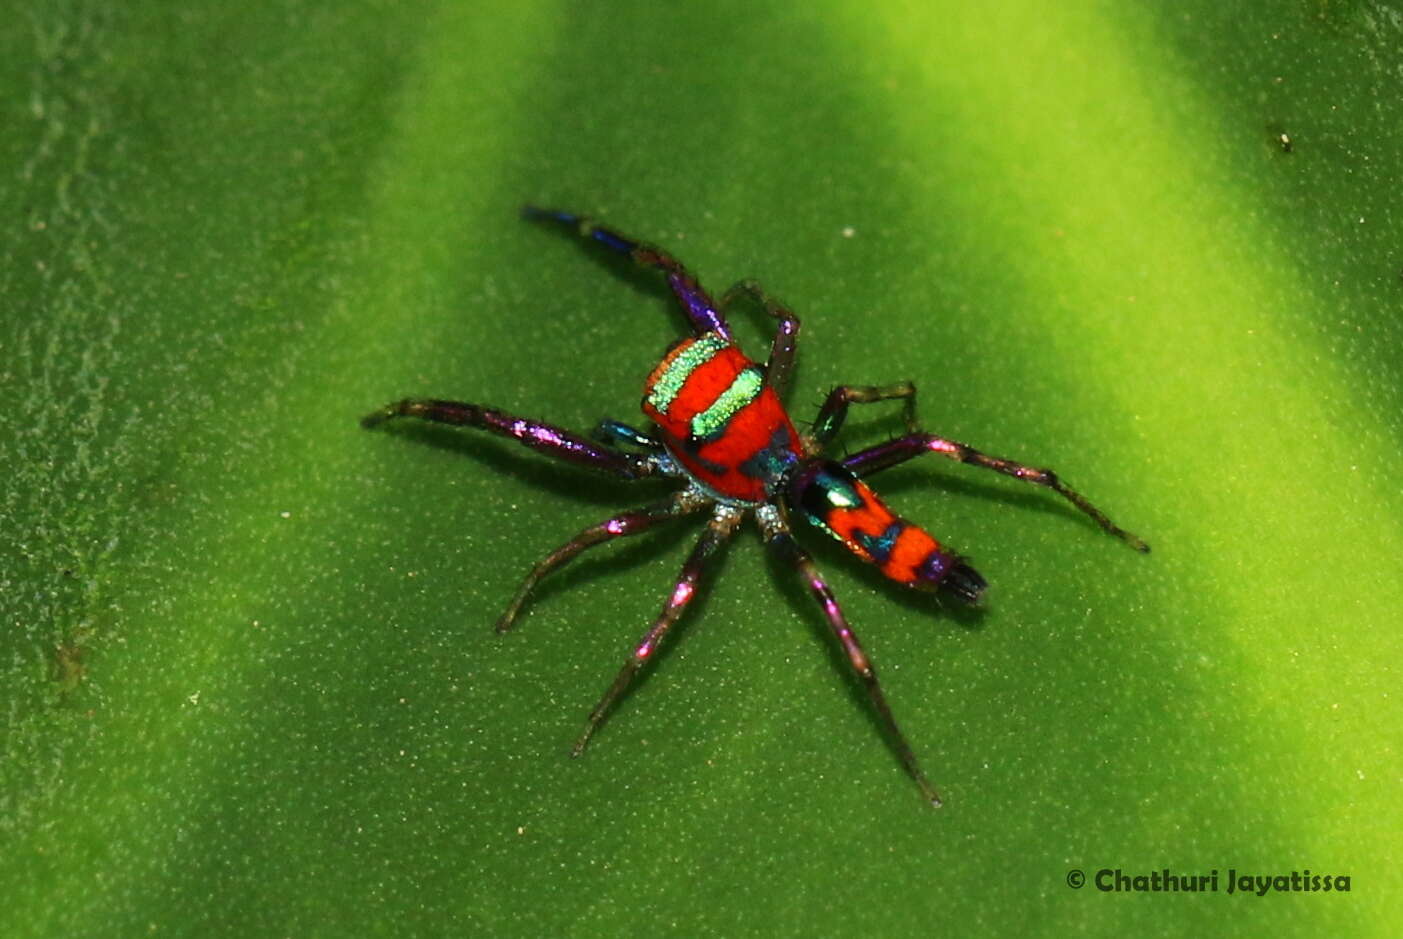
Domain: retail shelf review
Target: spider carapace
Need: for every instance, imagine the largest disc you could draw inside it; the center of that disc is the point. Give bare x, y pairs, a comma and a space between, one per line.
723, 431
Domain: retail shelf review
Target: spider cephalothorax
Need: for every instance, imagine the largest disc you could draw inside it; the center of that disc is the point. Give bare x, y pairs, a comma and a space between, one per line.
723, 430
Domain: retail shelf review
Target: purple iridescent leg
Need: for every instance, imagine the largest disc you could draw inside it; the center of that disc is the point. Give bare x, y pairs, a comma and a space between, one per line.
698, 307
780, 366
627, 523
552, 441
718, 532
616, 432
901, 449
778, 538
835, 406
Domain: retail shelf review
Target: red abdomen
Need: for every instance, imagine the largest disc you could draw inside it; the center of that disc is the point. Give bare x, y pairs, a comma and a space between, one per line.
720, 419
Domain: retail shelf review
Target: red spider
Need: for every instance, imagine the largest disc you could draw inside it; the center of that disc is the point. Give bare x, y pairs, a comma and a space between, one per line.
723, 430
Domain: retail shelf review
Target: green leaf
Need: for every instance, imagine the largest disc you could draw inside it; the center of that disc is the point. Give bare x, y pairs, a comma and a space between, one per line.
251, 683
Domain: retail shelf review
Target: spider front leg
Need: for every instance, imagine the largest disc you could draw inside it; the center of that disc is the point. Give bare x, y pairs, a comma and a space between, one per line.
548, 439
893, 452
780, 366
697, 305
617, 432
779, 539
718, 532
627, 523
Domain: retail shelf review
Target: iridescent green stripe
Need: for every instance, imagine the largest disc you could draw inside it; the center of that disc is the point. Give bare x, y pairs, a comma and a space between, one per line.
745, 389
670, 382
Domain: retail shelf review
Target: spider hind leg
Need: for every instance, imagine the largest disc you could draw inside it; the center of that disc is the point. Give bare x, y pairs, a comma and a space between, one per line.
718, 531
633, 522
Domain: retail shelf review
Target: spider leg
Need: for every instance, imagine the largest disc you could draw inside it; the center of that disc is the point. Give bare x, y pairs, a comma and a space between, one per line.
779, 539
697, 305
617, 432
632, 522
718, 532
835, 407
779, 368
550, 440
889, 454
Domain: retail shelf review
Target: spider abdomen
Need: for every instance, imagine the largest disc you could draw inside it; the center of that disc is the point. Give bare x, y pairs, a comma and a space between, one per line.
833, 499
720, 419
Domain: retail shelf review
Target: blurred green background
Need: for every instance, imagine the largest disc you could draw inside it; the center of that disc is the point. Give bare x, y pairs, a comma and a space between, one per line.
250, 685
